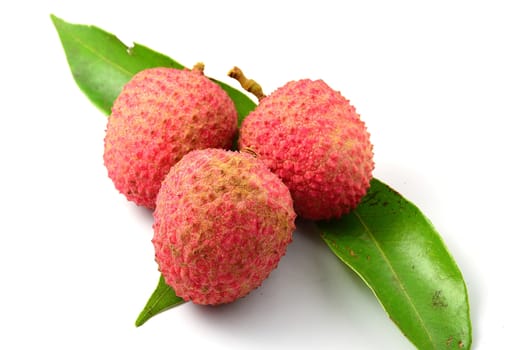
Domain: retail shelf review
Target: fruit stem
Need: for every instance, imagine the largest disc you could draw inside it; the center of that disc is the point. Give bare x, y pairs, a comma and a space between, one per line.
250, 151
199, 67
247, 84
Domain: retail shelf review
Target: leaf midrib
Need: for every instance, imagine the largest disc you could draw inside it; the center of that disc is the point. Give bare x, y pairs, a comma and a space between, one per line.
102, 57
148, 313
395, 274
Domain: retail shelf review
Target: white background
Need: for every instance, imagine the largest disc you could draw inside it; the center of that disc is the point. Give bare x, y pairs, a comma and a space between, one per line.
441, 86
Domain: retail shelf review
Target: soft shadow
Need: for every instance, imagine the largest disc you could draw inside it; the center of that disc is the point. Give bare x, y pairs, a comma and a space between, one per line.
311, 294
143, 214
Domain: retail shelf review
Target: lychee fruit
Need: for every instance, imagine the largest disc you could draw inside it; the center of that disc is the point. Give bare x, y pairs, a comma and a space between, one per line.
221, 224
160, 115
313, 139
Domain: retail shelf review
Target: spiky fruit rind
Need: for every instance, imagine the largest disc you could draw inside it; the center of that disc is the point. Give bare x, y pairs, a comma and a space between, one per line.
222, 222
161, 115
314, 140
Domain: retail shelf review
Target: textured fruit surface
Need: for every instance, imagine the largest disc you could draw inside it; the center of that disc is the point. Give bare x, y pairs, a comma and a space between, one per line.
222, 222
161, 115
313, 139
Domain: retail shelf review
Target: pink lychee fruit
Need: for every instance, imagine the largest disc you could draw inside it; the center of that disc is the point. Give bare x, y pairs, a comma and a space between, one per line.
160, 115
221, 224
313, 139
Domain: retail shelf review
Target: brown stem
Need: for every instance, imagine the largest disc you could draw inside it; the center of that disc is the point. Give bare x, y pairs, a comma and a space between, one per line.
247, 84
199, 67
250, 151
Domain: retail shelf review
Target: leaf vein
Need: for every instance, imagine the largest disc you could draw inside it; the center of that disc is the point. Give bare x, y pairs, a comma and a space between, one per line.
102, 57
395, 274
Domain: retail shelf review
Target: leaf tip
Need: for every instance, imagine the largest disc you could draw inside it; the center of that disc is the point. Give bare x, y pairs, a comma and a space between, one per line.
140, 320
55, 19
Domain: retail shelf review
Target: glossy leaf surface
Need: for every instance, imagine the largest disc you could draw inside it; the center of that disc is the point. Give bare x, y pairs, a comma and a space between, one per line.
101, 64
163, 298
387, 241
394, 248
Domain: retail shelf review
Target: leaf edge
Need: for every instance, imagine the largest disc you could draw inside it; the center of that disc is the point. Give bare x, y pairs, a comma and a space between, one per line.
446, 249
154, 299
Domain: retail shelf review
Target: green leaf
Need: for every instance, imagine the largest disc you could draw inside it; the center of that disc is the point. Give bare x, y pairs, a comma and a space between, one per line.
163, 298
395, 249
244, 105
386, 240
101, 64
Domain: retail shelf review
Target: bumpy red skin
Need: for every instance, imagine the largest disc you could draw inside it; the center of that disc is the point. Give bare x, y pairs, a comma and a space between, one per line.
222, 222
161, 115
313, 139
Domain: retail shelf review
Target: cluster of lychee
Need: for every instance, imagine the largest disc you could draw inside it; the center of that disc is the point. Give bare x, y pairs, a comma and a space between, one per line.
223, 218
